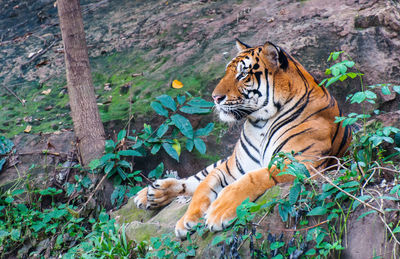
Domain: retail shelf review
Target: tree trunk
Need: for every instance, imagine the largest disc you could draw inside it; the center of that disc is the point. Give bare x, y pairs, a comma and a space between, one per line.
84, 111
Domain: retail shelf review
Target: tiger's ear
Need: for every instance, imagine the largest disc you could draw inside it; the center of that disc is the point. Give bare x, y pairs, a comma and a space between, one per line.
275, 55
241, 46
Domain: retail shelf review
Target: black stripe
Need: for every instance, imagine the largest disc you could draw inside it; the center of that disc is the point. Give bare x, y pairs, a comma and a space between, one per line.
238, 166
258, 78
305, 149
198, 178
248, 152
344, 139
216, 194
223, 176
204, 172
229, 171
219, 179
267, 87
248, 141
286, 140
320, 110
287, 120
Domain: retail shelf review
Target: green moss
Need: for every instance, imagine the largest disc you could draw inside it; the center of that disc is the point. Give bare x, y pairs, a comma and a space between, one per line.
51, 112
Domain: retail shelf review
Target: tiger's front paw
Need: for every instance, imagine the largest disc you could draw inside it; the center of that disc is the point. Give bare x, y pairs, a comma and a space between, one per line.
187, 223
159, 193
223, 210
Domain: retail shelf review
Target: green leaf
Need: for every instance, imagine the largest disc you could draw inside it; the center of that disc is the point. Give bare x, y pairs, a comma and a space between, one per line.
390, 198
194, 110
189, 144
17, 192
294, 193
352, 75
396, 230
9, 199
356, 203
155, 149
370, 94
385, 90
310, 252
183, 125
159, 109
103, 217
317, 211
199, 102
170, 151
109, 167
94, 164
15, 234
167, 101
125, 164
121, 135
129, 152
358, 97
276, 245
3, 234
218, 239
2, 162
107, 157
204, 131
200, 145
109, 145
365, 214
396, 88
335, 55
162, 130
181, 99
348, 63
157, 172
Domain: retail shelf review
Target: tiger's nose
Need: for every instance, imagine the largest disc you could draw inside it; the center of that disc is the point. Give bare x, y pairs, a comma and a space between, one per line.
218, 98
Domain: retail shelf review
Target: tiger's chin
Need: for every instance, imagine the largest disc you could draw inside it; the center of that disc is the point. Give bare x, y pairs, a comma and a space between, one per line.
227, 117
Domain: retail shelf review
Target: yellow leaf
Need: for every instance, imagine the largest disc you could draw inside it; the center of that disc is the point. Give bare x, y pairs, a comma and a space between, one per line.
28, 129
177, 146
46, 92
177, 84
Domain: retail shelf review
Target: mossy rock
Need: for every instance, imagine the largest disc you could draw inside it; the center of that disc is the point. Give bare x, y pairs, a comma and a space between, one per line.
143, 224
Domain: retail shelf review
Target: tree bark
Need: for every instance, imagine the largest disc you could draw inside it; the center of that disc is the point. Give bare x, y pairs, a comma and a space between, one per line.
88, 127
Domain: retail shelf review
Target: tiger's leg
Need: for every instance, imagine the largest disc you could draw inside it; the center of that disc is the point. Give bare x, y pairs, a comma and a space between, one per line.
162, 192
252, 185
207, 191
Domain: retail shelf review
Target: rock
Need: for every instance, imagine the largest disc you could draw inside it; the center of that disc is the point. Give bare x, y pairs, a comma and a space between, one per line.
142, 224
29, 159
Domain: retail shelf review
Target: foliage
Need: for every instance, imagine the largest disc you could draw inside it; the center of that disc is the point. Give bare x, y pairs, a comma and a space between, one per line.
6, 146
106, 240
166, 247
172, 134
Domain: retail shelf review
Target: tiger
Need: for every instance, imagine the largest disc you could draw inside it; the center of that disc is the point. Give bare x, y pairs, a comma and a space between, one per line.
284, 110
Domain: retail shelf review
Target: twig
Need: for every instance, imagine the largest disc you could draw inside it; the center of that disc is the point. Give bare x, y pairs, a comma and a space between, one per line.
348, 194
40, 53
16, 96
303, 229
43, 152
91, 195
384, 168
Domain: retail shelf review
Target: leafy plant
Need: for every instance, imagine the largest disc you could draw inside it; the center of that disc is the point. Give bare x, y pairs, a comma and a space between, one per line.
6, 146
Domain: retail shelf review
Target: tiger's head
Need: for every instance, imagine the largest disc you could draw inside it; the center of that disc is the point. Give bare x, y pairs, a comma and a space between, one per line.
257, 83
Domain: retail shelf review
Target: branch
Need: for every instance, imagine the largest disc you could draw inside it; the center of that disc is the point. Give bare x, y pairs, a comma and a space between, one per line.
348, 194
16, 96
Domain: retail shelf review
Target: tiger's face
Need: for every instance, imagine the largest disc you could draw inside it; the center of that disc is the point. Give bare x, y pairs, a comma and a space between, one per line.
247, 89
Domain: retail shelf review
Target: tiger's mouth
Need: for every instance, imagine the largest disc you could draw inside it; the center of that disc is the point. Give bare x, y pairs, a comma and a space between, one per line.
229, 113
